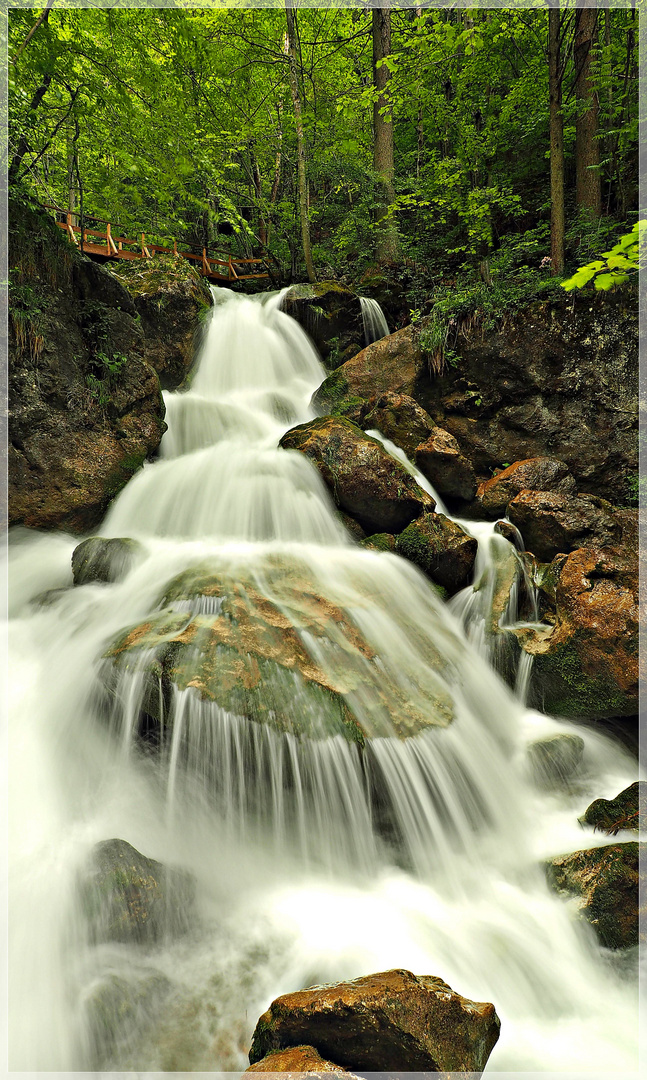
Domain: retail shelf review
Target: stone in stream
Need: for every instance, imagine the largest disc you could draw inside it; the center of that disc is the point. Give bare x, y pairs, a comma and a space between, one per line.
331, 315
624, 812
364, 480
297, 1060
440, 460
119, 1007
392, 1021
399, 418
533, 474
586, 660
552, 523
129, 898
295, 662
554, 761
605, 881
441, 549
98, 559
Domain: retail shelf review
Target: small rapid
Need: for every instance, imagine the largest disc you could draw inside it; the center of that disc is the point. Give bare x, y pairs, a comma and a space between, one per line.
315, 856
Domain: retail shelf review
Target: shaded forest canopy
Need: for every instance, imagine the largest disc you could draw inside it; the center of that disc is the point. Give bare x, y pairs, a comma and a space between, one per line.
441, 145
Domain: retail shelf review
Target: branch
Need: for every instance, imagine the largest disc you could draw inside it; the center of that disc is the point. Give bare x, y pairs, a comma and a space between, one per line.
43, 17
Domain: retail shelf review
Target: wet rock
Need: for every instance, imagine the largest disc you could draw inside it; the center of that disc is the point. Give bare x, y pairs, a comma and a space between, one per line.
556, 760
441, 549
295, 663
104, 560
364, 480
171, 298
399, 418
510, 533
605, 880
586, 663
130, 898
440, 459
297, 1060
391, 365
120, 1007
551, 523
354, 528
85, 408
380, 542
389, 1021
533, 474
623, 812
331, 315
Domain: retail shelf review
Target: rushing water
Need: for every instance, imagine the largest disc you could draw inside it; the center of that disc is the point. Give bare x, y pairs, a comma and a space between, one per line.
300, 876
374, 319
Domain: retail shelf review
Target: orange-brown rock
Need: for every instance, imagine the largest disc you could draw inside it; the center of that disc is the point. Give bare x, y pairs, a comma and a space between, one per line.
399, 418
533, 474
439, 458
364, 480
393, 1020
587, 663
296, 1060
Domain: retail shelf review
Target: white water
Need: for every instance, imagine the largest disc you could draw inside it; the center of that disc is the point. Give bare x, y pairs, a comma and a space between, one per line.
374, 319
297, 883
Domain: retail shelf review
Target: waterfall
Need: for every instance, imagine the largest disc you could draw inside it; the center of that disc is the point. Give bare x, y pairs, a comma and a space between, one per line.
375, 324
316, 853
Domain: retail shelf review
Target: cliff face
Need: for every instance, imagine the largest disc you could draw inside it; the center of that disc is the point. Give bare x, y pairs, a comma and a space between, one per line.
85, 409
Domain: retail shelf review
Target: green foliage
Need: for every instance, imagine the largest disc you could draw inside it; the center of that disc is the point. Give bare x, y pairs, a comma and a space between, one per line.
614, 266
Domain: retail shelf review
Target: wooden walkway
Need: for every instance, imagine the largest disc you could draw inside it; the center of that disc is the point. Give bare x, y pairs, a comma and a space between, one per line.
96, 242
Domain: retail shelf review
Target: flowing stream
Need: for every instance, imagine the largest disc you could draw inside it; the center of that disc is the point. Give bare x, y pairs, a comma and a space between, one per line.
302, 873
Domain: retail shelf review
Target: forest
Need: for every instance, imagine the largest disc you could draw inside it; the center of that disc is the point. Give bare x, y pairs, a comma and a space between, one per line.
471, 153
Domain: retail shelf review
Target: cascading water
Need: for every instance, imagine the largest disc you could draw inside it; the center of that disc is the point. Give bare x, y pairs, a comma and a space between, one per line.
313, 859
374, 319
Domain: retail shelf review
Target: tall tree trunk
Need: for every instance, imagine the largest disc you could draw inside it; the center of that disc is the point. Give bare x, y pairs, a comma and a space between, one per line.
387, 247
71, 178
556, 142
301, 152
23, 142
588, 189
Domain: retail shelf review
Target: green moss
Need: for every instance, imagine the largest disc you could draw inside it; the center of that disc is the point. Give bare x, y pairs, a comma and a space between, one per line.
120, 476
332, 391
569, 691
380, 542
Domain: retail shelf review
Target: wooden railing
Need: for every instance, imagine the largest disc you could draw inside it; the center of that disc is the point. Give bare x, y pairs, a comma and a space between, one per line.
122, 247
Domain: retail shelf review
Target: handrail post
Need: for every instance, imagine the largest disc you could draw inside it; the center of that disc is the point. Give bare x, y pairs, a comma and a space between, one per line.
143, 247
205, 264
175, 247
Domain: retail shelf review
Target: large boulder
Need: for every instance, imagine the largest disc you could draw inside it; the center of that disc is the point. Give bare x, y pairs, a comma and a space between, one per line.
364, 480
392, 364
623, 812
533, 474
85, 408
605, 881
441, 549
551, 523
440, 460
331, 315
130, 898
399, 418
389, 1021
171, 298
295, 663
586, 662
297, 1060
585, 656
99, 559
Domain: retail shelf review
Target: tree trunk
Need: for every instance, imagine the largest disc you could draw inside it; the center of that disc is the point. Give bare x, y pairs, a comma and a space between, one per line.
301, 153
387, 246
556, 143
588, 190
71, 179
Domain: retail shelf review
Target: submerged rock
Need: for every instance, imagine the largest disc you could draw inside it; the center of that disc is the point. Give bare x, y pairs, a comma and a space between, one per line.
105, 560
364, 480
623, 812
389, 1021
586, 664
297, 1060
605, 880
295, 662
331, 315
440, 548
440, 459
533, 474
553, 524
130, 898
120, 1007
556, 760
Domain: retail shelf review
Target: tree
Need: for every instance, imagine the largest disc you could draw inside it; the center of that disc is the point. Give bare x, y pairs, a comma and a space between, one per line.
555, 76
387, 246
301, 153
588, 190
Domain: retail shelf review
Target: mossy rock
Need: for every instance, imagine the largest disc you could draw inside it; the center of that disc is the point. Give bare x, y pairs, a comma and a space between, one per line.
623, 812
555, 761
605, 881
441, 549
99, 559
380, 542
